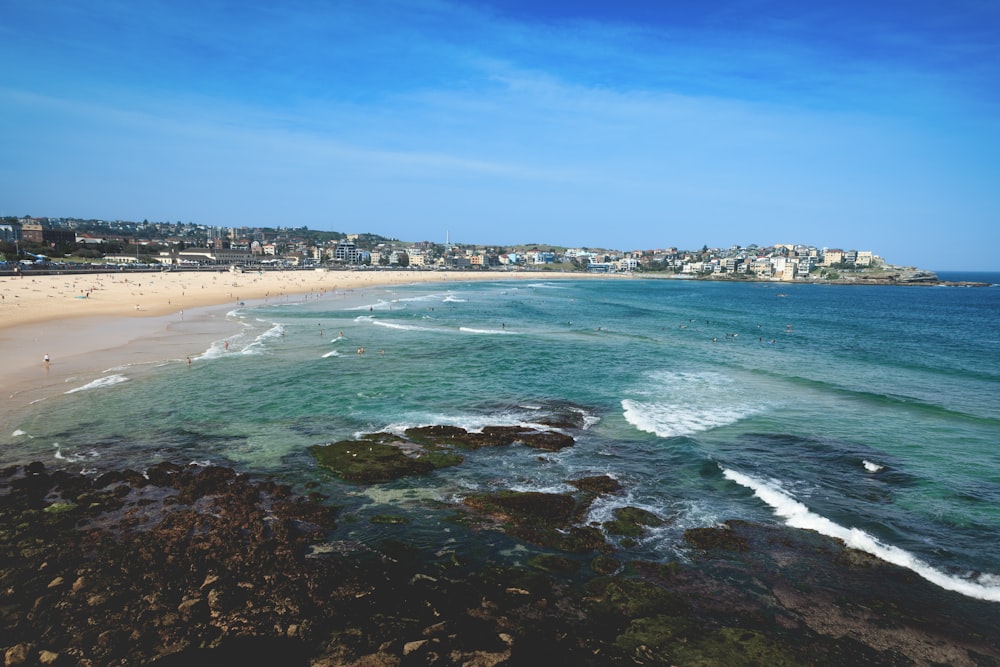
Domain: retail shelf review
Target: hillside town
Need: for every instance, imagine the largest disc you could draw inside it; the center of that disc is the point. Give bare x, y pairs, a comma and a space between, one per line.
30, 242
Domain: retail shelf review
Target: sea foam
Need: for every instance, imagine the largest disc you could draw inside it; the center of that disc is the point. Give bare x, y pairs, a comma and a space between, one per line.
797, 515
399, 326
486, 331
667, 421
107, 381
671, 404
259, 344
872, 467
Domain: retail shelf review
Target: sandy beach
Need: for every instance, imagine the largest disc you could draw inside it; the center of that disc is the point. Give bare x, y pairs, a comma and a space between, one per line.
85, 324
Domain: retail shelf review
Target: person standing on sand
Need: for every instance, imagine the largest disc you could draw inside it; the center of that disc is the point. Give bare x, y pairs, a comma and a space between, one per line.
46, 360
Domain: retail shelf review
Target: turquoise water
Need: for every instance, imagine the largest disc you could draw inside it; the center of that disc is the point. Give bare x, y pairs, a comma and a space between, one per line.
867, 413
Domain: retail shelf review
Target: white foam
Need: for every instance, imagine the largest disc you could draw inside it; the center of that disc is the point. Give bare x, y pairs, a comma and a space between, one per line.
538, 486
399, 326
472, 423
872, 467
18, 433
668, 420
671, 404
100, 383
332, 353
453, 299
75, 457
424, 297
486, 331
797, 515
216, 350
259, 344
588, 419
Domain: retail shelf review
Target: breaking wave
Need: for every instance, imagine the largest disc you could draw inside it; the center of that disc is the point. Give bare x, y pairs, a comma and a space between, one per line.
797, 515
100, 383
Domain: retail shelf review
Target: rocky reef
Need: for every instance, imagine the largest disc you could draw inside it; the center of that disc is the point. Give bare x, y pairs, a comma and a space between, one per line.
187, 565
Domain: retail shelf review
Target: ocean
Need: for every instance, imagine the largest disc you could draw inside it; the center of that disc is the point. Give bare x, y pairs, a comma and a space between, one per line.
867, 413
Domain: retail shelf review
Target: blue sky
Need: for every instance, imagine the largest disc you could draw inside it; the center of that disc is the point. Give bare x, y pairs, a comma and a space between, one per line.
866, 125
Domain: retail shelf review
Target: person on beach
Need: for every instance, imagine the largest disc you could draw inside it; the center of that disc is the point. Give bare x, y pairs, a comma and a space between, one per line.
46, 360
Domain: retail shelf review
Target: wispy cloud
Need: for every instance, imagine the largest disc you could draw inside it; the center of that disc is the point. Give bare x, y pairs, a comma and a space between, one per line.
757, 112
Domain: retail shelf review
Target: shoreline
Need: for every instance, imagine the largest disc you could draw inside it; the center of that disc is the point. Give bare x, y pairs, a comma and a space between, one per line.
88, 324
44, 298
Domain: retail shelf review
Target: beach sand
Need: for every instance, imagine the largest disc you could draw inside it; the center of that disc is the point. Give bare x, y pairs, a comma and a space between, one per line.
86, 324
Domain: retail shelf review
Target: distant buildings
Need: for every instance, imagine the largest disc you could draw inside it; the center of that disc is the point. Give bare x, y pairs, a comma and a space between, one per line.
188, 243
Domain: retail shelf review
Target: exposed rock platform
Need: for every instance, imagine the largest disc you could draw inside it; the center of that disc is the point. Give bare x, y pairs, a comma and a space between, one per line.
198, 566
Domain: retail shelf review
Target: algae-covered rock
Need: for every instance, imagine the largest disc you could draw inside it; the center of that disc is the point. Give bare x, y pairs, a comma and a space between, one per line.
489, 436
545, 519
720, 537
851, 557
374, 462
624, 598
60, 507
632, 521
502, 435
554, 563
576, 539
438, 435
455, 436
599, 484
550, 441
677, 641
605, 565
526, 508
388, 519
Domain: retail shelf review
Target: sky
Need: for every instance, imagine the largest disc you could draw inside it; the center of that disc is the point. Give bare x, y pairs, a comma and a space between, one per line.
628, 125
